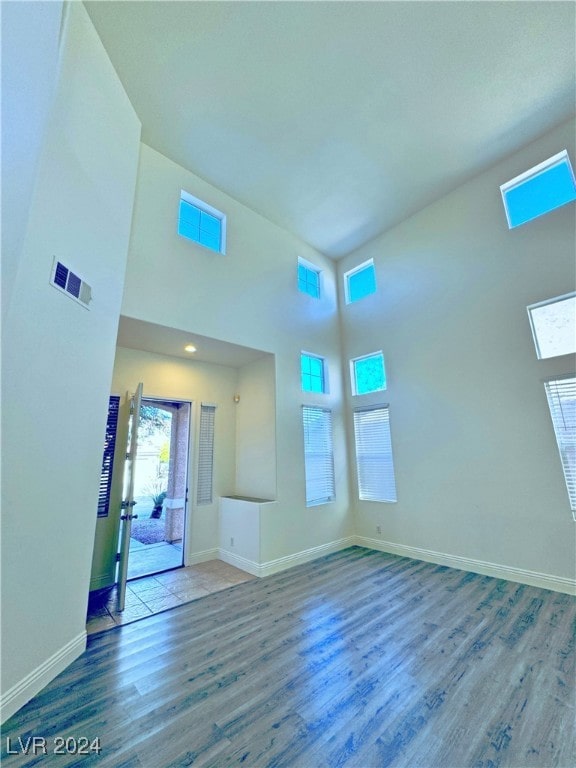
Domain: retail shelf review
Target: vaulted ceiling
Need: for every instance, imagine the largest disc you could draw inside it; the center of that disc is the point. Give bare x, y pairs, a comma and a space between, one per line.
337, 120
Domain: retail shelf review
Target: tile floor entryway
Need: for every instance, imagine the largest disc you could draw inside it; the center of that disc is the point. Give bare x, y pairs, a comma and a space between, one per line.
153, 594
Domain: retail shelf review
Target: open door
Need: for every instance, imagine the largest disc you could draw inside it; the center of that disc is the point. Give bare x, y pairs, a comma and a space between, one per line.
128, 502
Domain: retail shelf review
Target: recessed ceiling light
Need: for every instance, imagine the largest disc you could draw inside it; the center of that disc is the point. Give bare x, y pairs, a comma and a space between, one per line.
190, 348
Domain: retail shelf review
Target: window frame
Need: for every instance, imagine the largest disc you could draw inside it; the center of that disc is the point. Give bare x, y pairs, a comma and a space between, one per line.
369, 481
532, 173
531, 308
326, 478
309, 267
353, 377
324, 379
186, 197
369, 263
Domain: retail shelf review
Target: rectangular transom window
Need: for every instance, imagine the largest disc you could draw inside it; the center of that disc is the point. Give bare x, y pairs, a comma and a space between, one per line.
553, 324
368, 374
200, 222
318, 455
308, 279
561, 395
360, 282
374, 464
539, 190
312, 373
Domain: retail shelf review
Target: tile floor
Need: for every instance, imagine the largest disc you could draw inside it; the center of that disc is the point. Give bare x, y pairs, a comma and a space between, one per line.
148, 559
153, 594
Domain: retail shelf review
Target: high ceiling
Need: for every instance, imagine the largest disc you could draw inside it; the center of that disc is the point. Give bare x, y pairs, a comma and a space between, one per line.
337, 120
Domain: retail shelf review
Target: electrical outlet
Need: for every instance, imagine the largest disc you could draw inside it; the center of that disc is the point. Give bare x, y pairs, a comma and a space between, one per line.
378, 529
231, 541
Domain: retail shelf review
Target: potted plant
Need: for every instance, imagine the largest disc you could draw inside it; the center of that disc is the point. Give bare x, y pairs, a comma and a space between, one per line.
157, 500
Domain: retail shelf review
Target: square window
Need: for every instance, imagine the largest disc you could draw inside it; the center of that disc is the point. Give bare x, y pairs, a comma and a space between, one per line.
368, 374
312, 373
200, 222
308, 279
553, 324
360, 282
539, 190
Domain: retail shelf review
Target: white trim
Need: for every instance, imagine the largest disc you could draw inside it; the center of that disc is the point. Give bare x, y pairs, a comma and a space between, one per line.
517, 181
353, 382
520, 575
536, 170
312, 268
21, 693
350, 272
538, 305
201, 205
283, 563
202, 557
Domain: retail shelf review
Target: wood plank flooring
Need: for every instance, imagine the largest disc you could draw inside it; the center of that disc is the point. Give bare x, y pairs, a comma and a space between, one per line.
359, 659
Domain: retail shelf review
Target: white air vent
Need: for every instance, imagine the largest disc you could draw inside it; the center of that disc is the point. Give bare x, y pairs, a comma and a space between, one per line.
73, 286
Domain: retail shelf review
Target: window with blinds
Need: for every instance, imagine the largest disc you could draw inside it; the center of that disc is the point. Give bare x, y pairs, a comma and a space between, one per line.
108, 457
205, 455
561, 395
318, 455
374, 464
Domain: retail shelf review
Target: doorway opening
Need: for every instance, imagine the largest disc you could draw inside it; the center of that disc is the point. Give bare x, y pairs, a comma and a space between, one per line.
157, 534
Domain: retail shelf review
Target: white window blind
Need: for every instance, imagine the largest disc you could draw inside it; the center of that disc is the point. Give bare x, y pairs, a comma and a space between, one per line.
318, 455
561, 395
374, 463
205, 454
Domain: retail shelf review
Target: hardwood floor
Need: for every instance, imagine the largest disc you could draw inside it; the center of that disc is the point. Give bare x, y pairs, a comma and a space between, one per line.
358, 659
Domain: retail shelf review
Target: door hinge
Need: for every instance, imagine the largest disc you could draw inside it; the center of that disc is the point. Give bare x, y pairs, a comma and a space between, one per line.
117, 557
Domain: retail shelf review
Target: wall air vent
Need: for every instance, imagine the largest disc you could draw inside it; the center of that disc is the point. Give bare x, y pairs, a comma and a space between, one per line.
73, 286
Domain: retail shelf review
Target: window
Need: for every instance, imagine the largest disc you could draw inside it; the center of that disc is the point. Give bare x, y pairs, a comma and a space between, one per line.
561, 395
368, 374
553, 324
108, 457
200, 222
205, 454
360, 282
539, 190
312, 373
374, 464
318, 455
308, 279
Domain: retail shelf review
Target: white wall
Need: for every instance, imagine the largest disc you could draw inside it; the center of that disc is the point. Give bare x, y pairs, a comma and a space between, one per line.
256, 430
477, 467
57, 363
247, 297
30, 60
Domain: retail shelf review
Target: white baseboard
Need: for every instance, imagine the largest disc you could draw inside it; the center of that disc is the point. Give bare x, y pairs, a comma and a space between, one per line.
202, 557
520, 575
33, 683
250, 566
282, 563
